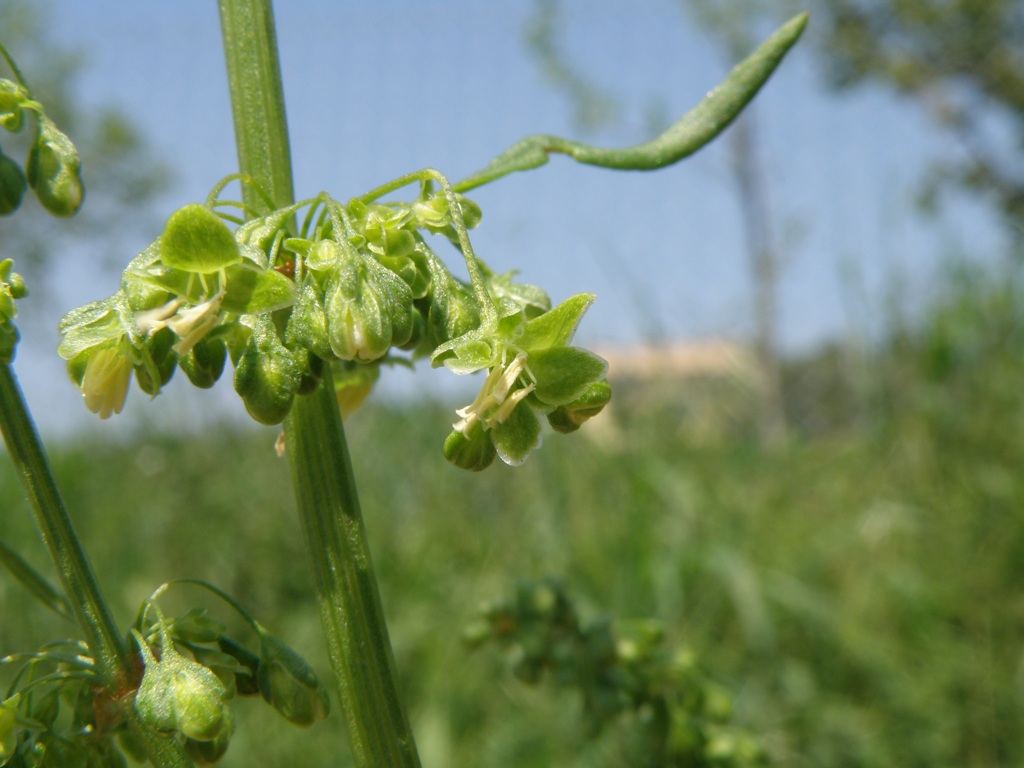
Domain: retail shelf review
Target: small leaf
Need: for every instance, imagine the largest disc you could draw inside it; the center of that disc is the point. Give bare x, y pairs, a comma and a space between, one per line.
197, 240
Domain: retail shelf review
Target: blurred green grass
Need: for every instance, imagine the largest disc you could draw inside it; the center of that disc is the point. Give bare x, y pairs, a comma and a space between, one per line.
859, 590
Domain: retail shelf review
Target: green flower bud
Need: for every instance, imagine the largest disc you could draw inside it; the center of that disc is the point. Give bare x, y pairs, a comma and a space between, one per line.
369, 309
204, 363
12, 185
180, 695
307, 324
475, 452
267, 376
289, 684
353, 383
211, 751
571, 416
12, 97
159, 362
54, 170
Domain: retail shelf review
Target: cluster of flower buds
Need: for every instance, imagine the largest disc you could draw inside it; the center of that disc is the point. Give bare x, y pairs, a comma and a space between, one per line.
354, 289
188, 672
52, 169
680, 718
188, 694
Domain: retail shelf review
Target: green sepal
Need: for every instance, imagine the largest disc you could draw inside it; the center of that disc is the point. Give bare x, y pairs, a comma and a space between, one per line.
556, 327
534, 301
251, 292
246, 682
267, 375
12, 185
307, 323
195, 239
571, 416
517, 436
90, 325
12, 96
157, 362
210, 752
474, 453
564, 374
54, 171
289, 684
470, 352
204, 363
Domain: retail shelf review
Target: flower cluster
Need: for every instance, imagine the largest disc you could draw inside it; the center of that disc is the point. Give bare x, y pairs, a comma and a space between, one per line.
354, 288
187, 675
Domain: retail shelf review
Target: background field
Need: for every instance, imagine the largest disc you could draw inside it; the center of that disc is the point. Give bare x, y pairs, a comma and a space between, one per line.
857, 590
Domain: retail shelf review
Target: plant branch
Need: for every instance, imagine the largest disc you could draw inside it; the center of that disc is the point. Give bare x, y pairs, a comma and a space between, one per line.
684, 137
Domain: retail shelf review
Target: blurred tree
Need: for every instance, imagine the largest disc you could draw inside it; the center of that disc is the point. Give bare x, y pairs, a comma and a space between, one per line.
121, 173
962, 61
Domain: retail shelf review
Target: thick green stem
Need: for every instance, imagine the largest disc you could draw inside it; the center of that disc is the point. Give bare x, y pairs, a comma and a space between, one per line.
105, 643
350, 608
257, 100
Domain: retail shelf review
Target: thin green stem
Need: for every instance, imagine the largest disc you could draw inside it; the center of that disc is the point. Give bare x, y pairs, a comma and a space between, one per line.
102, 637
350, 608
684, 137
101, 634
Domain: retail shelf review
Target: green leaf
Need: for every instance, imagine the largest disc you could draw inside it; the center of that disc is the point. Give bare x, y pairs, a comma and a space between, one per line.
46, 593
197, 240
250, 292
517, 436
556, 327
564, 374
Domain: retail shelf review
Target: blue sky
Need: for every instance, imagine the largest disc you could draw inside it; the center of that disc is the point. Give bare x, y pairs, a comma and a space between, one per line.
375, 90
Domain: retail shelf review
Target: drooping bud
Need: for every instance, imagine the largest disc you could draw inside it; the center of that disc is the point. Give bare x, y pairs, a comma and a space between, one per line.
210, 752
54, 171
369, 309
180, 695
475, 452
571, 416
267, 375
204, 363
12, 185
289, 684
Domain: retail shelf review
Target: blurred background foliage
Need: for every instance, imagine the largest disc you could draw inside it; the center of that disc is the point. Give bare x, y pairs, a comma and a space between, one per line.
857, 586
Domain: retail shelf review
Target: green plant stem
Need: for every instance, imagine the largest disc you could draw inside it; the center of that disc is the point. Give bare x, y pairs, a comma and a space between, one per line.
684, 137
105, 643
325, 490
101, 634
350, 606
257, 101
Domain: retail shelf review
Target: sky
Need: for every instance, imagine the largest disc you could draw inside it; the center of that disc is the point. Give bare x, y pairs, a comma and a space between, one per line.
375, 90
